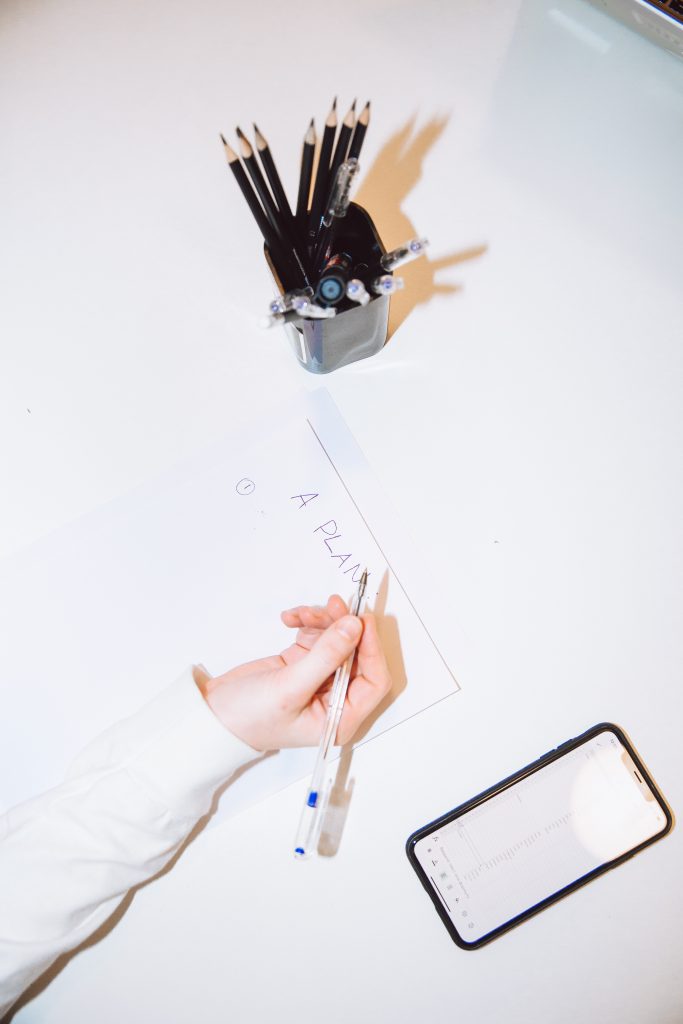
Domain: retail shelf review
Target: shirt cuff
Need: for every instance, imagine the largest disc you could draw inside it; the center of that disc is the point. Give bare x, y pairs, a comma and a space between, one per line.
192, 755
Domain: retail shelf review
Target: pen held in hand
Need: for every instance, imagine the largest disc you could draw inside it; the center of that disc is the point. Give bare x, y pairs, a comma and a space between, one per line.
310, 822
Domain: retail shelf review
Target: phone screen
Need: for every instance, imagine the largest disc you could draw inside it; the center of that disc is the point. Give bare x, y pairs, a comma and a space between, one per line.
536, 836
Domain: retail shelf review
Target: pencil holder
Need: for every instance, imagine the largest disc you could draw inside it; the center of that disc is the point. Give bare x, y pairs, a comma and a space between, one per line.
356, 332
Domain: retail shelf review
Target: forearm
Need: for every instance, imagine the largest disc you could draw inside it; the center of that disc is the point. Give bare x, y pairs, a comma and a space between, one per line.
68, 857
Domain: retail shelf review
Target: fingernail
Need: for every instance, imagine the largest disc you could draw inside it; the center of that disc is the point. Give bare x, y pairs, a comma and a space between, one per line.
350, 627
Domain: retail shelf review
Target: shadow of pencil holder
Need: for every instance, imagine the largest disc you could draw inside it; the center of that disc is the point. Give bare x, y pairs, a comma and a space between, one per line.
356, 332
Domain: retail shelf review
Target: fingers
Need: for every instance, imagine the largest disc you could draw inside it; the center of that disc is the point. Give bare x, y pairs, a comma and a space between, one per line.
307, 617
314, 617
336, 606
369, 686
311, 620
305, 677
372, 661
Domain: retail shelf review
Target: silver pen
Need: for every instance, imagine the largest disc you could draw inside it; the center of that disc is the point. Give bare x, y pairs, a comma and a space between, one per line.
316, 800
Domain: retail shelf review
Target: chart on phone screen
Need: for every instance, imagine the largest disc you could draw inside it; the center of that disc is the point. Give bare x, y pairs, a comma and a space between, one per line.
533, 839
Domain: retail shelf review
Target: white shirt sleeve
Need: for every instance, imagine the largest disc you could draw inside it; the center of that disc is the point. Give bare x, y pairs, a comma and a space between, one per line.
129, 800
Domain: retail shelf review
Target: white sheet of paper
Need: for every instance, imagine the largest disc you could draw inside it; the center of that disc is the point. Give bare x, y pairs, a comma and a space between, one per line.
197, 566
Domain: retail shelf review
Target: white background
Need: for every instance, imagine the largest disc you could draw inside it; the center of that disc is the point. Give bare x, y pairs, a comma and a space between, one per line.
525, 418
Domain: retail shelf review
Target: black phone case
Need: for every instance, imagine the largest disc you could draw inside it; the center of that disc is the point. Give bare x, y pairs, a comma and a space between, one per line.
552, 755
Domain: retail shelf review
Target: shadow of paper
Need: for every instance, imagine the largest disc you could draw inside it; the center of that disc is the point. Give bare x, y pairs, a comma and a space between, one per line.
393, 175
339, 801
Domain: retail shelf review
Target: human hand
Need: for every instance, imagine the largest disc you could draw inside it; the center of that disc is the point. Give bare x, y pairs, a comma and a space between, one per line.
282, 700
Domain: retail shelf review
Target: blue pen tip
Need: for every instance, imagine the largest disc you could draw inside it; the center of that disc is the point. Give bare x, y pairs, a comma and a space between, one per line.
299, 851
312, 798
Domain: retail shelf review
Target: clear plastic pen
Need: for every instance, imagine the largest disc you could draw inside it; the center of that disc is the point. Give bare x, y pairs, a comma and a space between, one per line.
313, 811
340, 197
386, 284
404, 253
357, 292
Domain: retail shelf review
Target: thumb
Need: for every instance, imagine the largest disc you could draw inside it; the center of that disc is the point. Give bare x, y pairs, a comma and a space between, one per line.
329, 652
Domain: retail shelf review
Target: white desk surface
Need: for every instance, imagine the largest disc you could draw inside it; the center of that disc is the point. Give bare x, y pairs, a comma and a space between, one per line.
527, 411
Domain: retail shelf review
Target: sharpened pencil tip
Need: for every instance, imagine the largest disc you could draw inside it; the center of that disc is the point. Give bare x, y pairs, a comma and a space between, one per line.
260, 139
229, 151
350, 118
245, 147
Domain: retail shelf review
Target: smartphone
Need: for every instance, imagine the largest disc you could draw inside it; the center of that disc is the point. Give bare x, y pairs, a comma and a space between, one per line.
510, 852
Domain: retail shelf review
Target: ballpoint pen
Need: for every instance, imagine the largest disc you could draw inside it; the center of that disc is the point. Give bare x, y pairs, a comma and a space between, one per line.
300, 308
404, 253
339, 199
281, 303
386, 284
314, 808
337, 207
357, 292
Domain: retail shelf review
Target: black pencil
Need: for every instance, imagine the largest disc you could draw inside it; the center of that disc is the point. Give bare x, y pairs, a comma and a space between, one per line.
339, 155
307, 155
342, 145
256, 175
282, 218
248, 193
340, 151
321, 177
286, 260
266, 158
359, 132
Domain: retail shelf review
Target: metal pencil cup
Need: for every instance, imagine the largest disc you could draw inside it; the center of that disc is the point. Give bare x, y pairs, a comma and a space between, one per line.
356, 332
